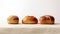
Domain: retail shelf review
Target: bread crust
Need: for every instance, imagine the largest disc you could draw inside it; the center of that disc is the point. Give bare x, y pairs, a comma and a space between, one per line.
13, 20
46, 19
29, 20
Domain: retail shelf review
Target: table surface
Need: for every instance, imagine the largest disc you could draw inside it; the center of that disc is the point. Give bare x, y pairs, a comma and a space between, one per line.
56, 25
30, 28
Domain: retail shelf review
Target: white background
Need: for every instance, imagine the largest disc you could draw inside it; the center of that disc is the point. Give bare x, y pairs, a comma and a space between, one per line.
21, 8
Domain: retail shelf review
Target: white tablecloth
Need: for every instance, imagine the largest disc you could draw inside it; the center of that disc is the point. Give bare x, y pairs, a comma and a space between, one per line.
29, 29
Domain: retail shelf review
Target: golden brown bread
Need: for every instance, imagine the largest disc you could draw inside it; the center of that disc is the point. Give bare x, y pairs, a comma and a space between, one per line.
13, 20
29, 20
46, 19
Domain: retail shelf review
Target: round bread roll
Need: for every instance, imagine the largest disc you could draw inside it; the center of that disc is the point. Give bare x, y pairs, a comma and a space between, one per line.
13, 20
47, 19
29, 20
